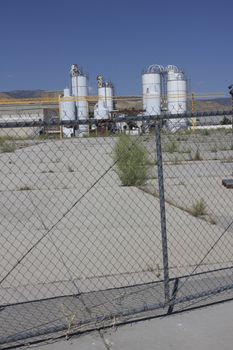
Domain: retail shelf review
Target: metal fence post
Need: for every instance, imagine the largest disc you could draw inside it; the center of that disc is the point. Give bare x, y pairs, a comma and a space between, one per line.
231, 93
162, 209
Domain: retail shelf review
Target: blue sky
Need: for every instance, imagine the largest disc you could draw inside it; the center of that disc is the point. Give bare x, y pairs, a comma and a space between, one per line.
41, 39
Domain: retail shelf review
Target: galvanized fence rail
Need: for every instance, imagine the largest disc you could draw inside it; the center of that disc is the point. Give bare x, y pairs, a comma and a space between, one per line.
111, 227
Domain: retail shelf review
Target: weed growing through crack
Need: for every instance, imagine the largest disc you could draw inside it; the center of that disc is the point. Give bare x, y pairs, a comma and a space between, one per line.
227, 160
205, 132
7, 148
197, 155
199, 208
214, 148
171, 147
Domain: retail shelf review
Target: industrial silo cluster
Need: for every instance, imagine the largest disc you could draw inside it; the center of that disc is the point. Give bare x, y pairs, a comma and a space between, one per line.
74, 102
164, 90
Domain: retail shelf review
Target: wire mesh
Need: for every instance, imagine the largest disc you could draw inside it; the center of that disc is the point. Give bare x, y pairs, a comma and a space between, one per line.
199, 215
81, 242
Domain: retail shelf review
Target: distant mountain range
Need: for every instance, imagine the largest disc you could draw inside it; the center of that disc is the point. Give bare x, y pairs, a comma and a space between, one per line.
26, 94
223, 101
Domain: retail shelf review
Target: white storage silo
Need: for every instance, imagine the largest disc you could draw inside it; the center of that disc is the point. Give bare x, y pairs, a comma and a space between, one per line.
176, 96
105, 99
151, 90
67, 110
82, 104
79, 84
176, 90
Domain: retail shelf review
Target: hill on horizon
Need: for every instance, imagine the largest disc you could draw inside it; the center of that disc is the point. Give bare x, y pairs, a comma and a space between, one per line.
26, 94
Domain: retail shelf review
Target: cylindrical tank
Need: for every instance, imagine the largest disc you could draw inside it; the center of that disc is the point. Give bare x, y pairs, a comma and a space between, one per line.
151, 90
176, 91
67, 111
79, 84
82, 104
100, 111
176, 97
67, 106
105, 99
109, 96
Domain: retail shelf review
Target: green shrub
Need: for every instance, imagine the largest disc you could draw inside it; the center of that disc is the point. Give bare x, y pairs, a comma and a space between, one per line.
199, 208
214, 148
197, 155
205, 132
131, 161
7, 147
171, 147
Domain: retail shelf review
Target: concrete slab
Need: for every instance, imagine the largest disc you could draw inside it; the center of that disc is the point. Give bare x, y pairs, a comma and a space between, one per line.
112, 236
208, 328
109, 239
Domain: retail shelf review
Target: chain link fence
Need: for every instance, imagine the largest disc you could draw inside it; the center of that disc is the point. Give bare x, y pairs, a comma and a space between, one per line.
130, 221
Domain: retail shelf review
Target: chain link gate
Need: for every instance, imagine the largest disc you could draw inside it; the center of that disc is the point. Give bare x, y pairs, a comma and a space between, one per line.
83, 248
